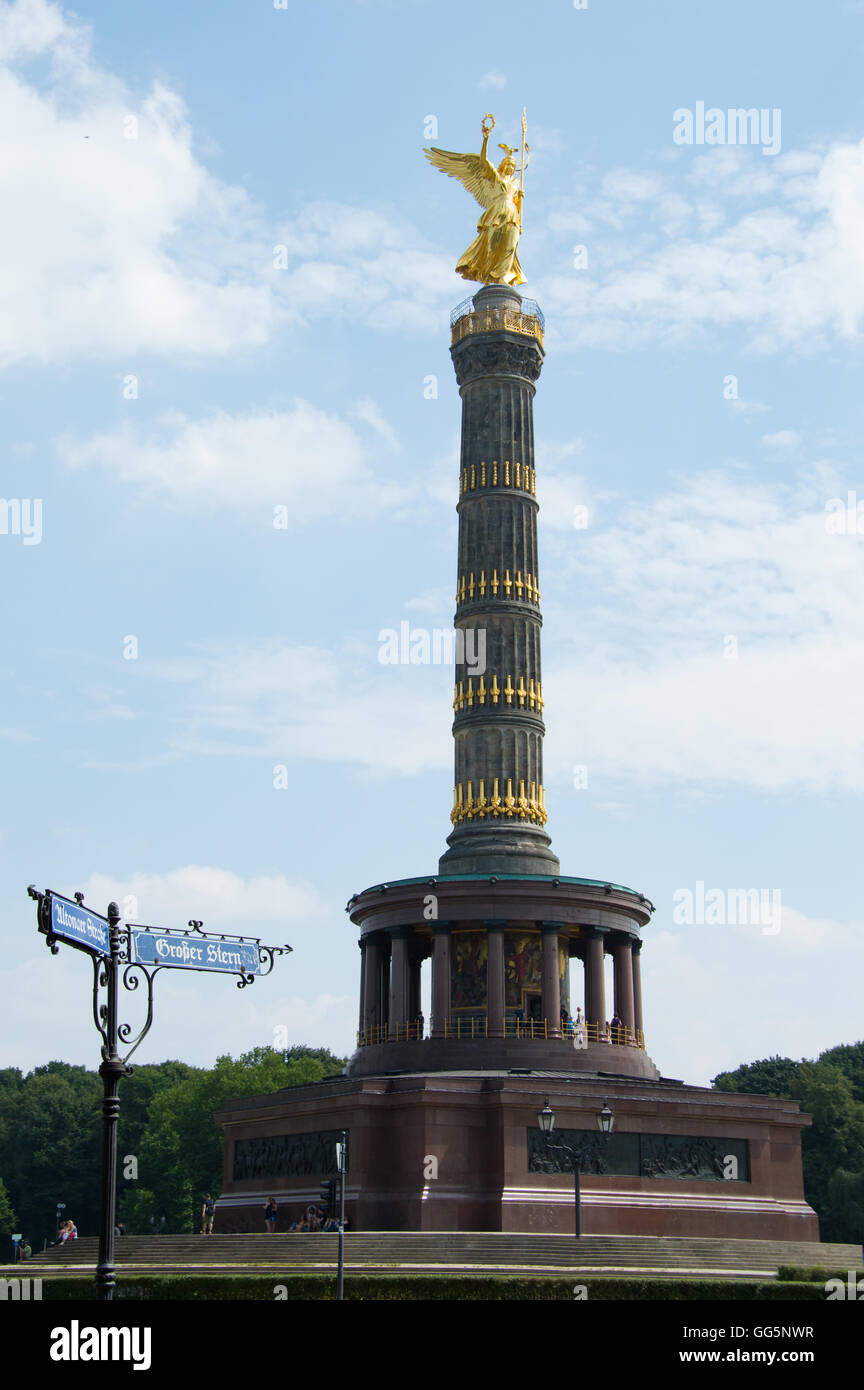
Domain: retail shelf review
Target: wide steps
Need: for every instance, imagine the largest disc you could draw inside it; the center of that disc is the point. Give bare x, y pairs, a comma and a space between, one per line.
425, 1250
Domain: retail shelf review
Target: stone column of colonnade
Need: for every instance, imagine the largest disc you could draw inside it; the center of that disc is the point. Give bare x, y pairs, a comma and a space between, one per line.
372, 1011
595, 978
440, 978
364, 1003
550, 978
390, 988
496, 1012
622, 956
398, 978
637, 989
625, 951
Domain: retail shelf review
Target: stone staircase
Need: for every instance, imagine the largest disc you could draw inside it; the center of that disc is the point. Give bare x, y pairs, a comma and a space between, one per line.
450, 1251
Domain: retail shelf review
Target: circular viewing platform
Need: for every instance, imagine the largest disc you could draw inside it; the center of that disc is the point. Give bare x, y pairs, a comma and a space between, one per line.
488, 317
500, 948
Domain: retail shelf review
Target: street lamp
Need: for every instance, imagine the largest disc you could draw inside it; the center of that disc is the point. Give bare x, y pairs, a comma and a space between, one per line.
546, 1121
342, 1165
606, 1119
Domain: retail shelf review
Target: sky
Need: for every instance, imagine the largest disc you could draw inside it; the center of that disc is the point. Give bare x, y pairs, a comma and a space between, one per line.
226, 274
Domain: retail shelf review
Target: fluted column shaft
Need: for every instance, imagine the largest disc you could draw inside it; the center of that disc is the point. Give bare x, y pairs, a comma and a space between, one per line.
363, 1001
550, 978
399, 979
440, 978
499, 810
623, 957
637, 987
495, 996
595, 979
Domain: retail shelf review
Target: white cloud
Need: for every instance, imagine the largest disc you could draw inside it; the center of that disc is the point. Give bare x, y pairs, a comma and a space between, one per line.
222, 899
657, 699
107, 229
782, 439
494, 80
138, 248
720, 996
312, 463
778, 249
196, 1018
290, 703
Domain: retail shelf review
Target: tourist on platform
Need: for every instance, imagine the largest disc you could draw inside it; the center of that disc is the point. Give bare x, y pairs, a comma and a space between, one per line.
270, 1211
617, 1030
208, 1212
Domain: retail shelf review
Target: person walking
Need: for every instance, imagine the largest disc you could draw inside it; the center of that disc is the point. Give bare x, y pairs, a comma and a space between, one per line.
270, 1211
208, 1212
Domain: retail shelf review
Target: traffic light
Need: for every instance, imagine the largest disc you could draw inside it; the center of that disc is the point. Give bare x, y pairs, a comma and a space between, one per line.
328, 1195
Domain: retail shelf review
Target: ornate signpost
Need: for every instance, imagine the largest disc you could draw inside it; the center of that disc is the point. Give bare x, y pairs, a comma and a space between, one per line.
134, 955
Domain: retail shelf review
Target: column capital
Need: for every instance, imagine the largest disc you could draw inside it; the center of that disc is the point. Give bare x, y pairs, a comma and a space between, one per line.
592, 933
442, 928
552, 926
495, 923
637, 944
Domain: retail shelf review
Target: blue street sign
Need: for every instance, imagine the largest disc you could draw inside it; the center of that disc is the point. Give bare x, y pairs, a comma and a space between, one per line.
79, 926
195, 952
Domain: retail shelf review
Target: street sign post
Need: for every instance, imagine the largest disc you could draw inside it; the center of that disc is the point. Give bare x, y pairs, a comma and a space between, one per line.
78, 926
228, 955
129, 954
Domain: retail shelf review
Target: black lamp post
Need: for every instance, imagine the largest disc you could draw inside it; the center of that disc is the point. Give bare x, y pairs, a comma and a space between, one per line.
546, 1121
342, 1164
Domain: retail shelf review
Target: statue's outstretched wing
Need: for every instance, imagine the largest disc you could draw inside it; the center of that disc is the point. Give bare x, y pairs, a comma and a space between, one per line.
473, 170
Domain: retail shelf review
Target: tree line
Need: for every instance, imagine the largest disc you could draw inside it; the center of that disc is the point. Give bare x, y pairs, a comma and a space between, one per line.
831, 1089
51, 1128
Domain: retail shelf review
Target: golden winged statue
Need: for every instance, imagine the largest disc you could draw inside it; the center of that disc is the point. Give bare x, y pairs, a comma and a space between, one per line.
491, 258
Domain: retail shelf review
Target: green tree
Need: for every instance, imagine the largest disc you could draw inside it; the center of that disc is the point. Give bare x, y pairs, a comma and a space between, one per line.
7, 1216
832, 1146
774, 1076
181, 1152
850, 1059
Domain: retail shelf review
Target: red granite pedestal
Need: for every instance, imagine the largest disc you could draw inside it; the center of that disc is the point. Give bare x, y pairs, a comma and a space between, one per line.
449, 1151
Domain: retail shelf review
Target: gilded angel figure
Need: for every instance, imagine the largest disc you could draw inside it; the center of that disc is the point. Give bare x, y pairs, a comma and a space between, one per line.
491, 258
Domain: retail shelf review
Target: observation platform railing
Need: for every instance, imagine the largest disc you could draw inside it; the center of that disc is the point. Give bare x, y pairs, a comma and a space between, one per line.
528, 322
476, 1027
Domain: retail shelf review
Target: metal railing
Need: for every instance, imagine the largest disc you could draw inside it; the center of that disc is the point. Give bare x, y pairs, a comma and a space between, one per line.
528, 321
476, 1026
530, 308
